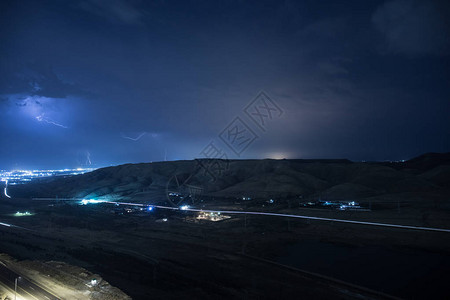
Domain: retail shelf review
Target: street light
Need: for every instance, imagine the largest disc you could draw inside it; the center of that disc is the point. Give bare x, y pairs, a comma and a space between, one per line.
15, 287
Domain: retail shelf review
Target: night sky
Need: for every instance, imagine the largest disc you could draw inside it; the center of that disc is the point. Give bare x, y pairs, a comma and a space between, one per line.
99, 82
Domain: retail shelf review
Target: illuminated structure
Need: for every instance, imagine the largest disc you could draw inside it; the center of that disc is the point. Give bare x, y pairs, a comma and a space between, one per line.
22, 214
211, 216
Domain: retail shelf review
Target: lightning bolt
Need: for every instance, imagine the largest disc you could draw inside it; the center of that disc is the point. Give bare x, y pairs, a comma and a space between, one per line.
41, 118
136, 138
88, 158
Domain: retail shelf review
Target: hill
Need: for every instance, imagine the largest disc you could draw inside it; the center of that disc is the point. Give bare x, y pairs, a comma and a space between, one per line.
423, 176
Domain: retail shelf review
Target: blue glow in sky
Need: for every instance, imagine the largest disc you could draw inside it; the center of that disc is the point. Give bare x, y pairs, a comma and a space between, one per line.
95, 83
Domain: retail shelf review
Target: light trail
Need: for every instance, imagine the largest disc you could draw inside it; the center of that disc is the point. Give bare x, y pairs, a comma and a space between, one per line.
184, 208
302, 217
14, 226
325, 219
5, 191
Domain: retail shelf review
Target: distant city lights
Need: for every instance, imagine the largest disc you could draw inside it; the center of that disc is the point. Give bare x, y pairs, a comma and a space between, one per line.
24, 176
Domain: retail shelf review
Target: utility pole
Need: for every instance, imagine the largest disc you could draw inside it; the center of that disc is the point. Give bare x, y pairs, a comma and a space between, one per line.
15, 288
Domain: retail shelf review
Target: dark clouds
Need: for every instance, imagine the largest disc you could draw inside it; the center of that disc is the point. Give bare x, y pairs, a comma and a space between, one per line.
414, 27
120, 11
34, 79
356, 79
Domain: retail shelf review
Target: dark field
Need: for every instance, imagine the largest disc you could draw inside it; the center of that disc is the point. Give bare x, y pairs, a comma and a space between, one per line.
179, 258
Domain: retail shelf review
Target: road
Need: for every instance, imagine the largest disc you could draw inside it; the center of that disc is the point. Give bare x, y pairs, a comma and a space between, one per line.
25, 288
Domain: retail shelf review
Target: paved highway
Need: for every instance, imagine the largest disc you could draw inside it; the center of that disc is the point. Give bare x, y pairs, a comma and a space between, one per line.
25, 288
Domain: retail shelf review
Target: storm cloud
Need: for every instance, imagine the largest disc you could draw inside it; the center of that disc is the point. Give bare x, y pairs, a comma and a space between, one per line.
364, 81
